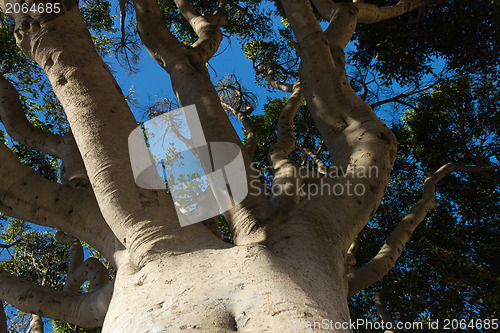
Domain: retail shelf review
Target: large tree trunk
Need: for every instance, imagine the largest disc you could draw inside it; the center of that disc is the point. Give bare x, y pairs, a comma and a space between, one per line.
244, 288
288, 267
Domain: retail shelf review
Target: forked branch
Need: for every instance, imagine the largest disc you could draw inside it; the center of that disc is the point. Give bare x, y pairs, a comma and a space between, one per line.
86, 310
380, 265
208, 31
157, 38
270, 71
79, 271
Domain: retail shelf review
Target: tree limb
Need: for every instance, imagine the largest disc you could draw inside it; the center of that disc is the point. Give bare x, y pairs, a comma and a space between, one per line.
144, 220
26, 195
285, 191
355, 137
351, 254
157, 38
19, 128
271, 80
79, 271
400, 96
322, 168
382, 311
209, 33
86, 310
3, 318
369, 13
385, 259
36, 324
192, 85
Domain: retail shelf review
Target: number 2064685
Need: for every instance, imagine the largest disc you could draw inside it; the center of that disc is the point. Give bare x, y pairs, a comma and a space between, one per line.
25, 8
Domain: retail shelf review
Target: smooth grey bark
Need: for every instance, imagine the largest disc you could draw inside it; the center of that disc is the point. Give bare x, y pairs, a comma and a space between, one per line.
86, 310
291, 258
36, 324
26, 195
79, 271
192, 85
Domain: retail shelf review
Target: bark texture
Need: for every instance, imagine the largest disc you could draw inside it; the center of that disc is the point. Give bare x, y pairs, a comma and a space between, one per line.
293, 252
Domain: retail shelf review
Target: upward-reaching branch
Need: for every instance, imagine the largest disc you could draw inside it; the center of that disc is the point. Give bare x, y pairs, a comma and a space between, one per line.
192, 85
385, 259
383, 312
369, 13
3, 318
285, 193
87, 310
36, 324
19, 128
101, 122
270, 70
79, 271
355, 137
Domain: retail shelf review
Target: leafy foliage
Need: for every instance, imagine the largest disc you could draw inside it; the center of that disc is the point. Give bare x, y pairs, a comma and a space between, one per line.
462, 33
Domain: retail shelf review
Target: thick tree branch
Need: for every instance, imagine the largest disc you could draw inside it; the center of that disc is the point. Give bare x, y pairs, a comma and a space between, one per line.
36, 324
359, 143
380, 265
26, 195
208, 31
270, 70
341, 28
86, 310
369, 13
79, 271
382, 311
73, 172
145, 221
192, 85
19, 128
324, 8
322, 168
286, 185
157, 38
351, 254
